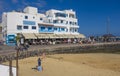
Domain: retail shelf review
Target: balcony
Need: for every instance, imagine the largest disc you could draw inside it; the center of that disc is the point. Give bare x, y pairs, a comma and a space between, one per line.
60, 24
74, 26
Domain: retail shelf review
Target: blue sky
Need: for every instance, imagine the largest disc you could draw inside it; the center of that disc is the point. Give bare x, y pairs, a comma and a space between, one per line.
92, 14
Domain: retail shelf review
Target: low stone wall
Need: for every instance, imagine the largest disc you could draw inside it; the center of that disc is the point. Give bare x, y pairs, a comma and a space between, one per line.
107, 48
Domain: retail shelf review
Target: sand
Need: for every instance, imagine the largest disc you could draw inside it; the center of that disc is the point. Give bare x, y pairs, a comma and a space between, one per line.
97, 64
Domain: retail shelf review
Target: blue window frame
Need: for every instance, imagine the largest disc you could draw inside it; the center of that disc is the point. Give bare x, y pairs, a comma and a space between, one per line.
49, 28
55, 29
42, 28
62, 29
25, 27
59, 29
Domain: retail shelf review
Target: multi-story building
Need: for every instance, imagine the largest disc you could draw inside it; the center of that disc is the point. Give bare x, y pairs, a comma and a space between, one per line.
29, 22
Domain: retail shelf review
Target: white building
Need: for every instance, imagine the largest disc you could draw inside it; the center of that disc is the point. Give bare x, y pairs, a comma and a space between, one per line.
4, 70
30, 21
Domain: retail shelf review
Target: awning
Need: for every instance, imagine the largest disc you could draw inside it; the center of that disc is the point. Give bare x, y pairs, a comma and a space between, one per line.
47, 36
29, 35
79, 36
53, 36
42, 36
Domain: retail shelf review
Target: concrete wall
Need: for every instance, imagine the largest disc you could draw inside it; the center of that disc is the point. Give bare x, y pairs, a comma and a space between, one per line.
103, 48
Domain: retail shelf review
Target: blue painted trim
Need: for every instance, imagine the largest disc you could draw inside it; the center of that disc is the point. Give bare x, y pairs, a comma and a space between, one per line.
44, 29
29, 22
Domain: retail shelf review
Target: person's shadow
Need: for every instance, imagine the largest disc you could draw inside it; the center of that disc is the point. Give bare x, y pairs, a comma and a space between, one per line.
35, 68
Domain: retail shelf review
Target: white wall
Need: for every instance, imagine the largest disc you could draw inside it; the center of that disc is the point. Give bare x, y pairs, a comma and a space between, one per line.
14, 19
31, 10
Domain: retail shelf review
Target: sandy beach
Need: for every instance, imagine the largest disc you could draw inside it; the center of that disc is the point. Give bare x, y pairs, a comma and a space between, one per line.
92, 64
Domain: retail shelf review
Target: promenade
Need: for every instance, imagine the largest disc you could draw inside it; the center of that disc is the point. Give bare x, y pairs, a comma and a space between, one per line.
11, 49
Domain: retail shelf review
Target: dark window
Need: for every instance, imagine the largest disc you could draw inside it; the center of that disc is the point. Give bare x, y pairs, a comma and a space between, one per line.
49, 28
61, 21
76, 30
19, 27
75, 23
55, 21
33, 27
55, 29
71, 16
60, 14
62, 29
25, 27
66, 22
33, 17
42, 28
26, 17
41, 19
70, 23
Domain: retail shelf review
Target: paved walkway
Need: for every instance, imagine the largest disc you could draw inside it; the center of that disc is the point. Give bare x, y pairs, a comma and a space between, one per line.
8, 49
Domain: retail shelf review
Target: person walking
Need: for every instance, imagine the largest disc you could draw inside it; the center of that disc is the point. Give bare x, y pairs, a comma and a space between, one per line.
39, 62
39, 65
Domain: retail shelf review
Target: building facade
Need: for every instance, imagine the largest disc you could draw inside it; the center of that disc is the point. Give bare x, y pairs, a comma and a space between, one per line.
30, 21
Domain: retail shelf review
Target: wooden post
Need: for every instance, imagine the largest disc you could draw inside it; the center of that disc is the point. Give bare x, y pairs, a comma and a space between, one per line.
10, 68
17, 67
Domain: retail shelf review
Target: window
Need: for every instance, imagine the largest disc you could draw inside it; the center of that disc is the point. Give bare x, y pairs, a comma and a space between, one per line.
66, 15
19, 27
55, 29
33, 27
26, 17
76, 30
62, 29
49, 28
66, 22
70, 23
60, 14
55, 21
41, 19
71, 16
61, 21
42, 28
75, 23
25, 27
33, 17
